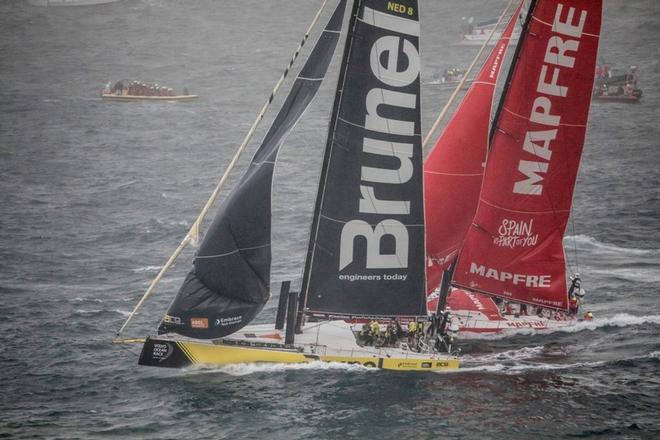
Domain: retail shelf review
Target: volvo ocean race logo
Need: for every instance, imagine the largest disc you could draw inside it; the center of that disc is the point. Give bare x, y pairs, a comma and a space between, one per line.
514, 234
385, 56
161, 351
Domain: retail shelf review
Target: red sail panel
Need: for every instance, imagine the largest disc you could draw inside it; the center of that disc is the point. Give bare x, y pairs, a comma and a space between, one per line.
454, 169
514, 246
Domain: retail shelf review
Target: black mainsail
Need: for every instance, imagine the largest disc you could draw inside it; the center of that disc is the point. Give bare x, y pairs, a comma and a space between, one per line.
230, 279
366, 252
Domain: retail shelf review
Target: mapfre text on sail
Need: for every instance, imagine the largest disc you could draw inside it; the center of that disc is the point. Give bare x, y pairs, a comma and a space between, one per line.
560, 53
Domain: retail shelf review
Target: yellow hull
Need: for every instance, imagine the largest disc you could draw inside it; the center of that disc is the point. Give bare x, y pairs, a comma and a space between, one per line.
177, 354
113, 97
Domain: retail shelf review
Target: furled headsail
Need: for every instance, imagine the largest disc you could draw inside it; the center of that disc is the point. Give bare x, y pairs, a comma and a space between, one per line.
453, 170
514, 247
366, 252
230, 279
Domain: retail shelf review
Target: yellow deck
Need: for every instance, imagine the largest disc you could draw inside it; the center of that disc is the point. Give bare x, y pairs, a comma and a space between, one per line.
212, 354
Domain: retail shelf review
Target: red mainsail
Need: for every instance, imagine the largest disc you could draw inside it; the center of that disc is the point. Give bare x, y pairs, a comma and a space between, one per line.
454, 169
513, 248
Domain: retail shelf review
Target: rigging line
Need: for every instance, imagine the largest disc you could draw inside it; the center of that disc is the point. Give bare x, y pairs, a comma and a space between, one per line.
443, 112
192, 234
575, 251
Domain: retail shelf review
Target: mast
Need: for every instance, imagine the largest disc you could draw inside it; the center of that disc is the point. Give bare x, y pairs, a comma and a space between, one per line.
366, 251
514, 60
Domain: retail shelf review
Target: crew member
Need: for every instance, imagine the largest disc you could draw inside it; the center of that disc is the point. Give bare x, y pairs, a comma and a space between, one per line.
375, 330
412, 328
365, 334
398, 330
389, 338
575, 284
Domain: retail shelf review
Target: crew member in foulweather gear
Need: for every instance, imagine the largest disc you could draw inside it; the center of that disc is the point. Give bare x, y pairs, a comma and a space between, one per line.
432, 327
365, 334
398, 330
588, 316
573, 294
446, 316
389, 338
420, 329
419, 336
412, 327
185, 91
375, 331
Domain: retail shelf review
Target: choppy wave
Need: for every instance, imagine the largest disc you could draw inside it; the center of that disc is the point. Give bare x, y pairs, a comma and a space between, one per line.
247, 369
79, 300
508, 355
517, 368
147, 269
638, 274
513, 367
587, 241
101, 312
618, 320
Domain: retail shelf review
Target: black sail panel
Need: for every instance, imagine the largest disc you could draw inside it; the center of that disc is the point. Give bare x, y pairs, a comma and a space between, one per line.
367, 244
230, 279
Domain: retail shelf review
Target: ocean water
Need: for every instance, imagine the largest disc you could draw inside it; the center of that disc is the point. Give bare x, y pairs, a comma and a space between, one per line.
95, 196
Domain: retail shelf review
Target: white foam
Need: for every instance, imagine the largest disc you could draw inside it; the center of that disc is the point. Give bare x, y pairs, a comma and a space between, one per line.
589, 241
525, 366
618, 320
147, 269
247, 369
517, 368
79, 299
509, 355
638, 274
95, 311
87, 312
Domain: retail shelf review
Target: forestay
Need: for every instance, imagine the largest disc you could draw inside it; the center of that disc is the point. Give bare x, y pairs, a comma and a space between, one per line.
454, 168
